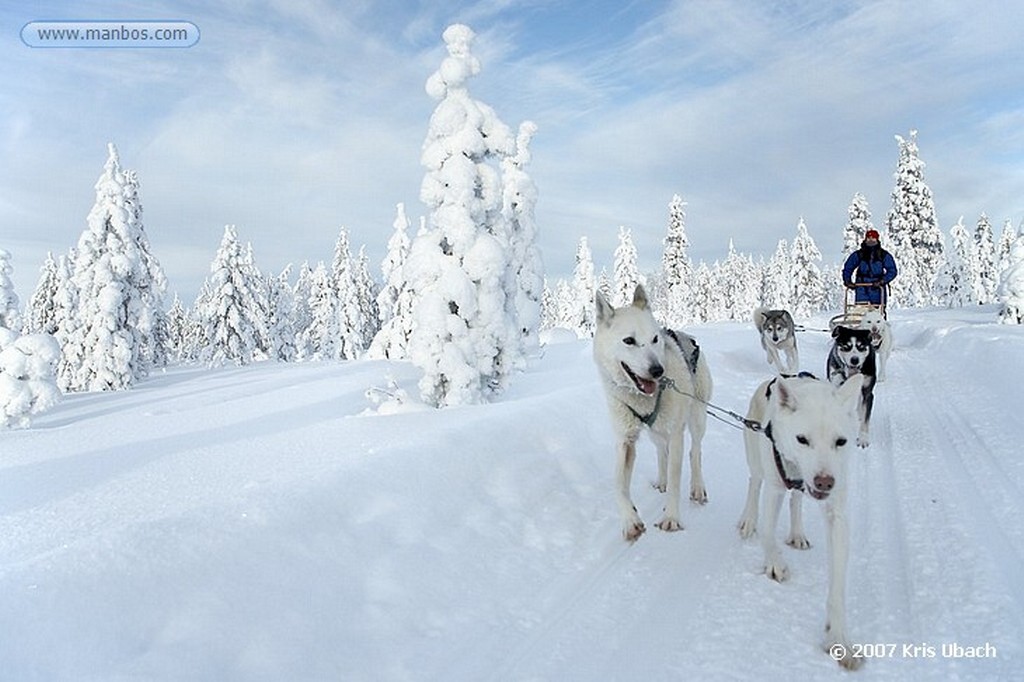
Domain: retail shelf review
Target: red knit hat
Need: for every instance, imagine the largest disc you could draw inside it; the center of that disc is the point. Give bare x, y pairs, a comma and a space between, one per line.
871, 234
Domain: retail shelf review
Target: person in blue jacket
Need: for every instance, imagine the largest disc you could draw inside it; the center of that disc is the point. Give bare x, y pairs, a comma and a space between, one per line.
872, 265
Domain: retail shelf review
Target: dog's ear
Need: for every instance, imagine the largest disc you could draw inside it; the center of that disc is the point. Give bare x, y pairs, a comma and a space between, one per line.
605, 312
787, 398
835, 332
640, 298
849, 392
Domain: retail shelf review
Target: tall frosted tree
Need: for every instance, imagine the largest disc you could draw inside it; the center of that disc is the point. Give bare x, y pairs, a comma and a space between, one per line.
1010, 293
777, 289
914, 237
857, 225
118, 289
985, 276
395, 298
42, 313
525, 277
953, 285
458, 268
10, 317
582, 292
808, 295
230, 311
676, 267
280, 317
626, 273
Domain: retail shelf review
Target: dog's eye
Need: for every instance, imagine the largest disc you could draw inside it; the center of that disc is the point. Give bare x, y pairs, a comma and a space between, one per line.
840, 442
654, 340
802, 440
629, 341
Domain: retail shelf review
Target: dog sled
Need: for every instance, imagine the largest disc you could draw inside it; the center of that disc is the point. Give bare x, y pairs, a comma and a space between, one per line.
854, 312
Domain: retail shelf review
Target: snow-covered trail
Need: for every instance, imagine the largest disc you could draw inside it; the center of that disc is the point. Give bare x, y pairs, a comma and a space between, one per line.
255, 523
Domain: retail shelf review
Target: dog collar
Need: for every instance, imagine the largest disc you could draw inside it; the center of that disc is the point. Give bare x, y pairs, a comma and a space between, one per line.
649, 419
790, 483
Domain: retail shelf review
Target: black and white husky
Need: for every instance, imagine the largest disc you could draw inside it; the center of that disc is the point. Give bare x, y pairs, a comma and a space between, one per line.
854, 354
650, 376
778, 334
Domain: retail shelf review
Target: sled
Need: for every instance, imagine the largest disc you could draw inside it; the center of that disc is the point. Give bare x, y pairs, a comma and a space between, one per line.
854, 312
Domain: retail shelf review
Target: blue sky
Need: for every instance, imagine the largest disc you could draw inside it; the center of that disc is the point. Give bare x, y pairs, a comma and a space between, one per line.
291, 119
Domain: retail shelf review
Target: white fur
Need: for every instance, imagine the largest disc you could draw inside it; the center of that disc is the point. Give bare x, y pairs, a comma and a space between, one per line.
630, 337
814, 426
881, 331
778, 338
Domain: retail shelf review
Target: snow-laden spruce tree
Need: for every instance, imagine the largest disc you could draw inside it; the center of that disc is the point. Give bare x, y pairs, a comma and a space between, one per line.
1011, 285
953, 285
582, 293
118, 289
230, 311
857, 225
321, 337
462, 331
777, 288
525, 277
985, 276
1005, 245
348, 309
625, 270
808, 292
28, 383
676, 268
913, 235
280, 317
10, 315
41, 313
395, 298
739, 282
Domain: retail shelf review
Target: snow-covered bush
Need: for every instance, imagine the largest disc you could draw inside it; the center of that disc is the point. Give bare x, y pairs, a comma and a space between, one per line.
1011, 286
28, 384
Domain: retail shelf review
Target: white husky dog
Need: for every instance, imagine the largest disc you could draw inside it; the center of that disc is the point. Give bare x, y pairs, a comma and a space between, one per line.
649, 375
809, 427
778, 334
881, 339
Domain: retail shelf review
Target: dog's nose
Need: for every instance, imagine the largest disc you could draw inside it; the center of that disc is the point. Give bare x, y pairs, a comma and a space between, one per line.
657, 371
854, 361
824, 482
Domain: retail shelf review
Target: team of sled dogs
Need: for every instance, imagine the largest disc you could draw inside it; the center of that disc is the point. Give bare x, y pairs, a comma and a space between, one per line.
799, 430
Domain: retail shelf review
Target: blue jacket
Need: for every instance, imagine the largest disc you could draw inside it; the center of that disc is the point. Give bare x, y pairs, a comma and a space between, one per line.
873, 265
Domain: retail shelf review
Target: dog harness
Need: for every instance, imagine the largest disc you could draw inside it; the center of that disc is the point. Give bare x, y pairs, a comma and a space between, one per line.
666, 382
790, 483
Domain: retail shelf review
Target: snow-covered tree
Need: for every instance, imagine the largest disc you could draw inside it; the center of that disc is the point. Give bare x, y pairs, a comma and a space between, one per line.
395, 298
1005, 245
676, 267
28, 384
985, 276
280, 319
41, 316
347, 302
525, 277
118, 289
808, 295
10, 317
367, 291
954, 285
626, 273
914, 237
302, 316
777, 288
321, 338
1011, 285
858, 224
178, 328
739, 282
458, 268
230, 311
581, 294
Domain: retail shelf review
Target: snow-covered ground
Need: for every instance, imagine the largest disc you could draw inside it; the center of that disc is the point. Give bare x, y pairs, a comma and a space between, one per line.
263, 523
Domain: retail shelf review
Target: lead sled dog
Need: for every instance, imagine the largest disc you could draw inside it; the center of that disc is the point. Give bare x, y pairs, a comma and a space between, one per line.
650, 375
807, 431
778, 335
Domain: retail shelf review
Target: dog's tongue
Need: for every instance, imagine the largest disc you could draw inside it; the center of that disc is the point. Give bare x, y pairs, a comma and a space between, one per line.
647, 386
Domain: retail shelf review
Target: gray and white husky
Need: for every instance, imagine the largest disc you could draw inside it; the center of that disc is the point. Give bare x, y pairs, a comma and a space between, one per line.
778, 334
808, 429
649, 375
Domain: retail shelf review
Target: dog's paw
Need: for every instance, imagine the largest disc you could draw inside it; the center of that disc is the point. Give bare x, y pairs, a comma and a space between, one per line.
747, 528
659, 486
633, 530
798, 542
698, 494
777, 570
669, 524
863, 441
842, 653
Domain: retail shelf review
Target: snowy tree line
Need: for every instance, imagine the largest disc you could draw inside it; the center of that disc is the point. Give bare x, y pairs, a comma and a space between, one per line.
464, 298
